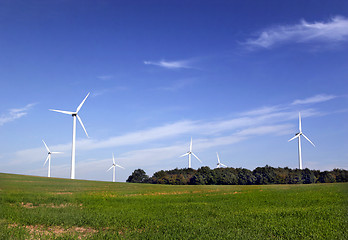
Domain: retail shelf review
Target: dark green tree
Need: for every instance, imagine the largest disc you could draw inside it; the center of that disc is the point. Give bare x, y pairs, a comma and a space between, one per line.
241, 176
264, 175
138, 176
308, 176
341, 175
245, 176
326, 177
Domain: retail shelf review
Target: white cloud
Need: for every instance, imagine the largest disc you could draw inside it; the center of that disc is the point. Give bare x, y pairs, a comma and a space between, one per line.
315, 99
154, 156
15, 113
262, 111
162, 145
333, 31
209, 133
170, 64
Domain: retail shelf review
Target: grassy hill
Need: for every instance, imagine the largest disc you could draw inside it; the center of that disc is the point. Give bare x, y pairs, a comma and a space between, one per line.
38, 207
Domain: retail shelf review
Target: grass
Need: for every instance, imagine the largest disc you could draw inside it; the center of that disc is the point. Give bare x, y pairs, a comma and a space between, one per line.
43, 208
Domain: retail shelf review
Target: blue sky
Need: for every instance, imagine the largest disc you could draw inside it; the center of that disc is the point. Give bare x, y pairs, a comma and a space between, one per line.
232, 75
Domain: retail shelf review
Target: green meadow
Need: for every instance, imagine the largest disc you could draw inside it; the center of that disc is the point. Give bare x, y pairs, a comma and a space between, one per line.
43, 208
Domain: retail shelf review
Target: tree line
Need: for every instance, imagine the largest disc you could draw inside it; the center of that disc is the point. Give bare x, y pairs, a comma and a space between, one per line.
239, 176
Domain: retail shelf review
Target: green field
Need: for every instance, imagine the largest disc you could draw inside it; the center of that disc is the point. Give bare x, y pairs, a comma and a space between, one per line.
42, 208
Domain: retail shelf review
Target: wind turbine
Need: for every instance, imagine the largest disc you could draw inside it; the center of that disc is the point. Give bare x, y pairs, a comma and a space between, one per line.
298, 135
219, 164
74, 115
189, 155
49, 159
114, 165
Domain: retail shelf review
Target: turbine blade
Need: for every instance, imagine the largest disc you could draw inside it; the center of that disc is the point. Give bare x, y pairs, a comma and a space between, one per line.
48, 150
110, 168
191, 145
308, 139
113, 158
296, 136
223, 165
119, 166
218, 157
184, 155
56, 152
196, 157
82, 125
60, 111
47, 159
299, 122
79, 107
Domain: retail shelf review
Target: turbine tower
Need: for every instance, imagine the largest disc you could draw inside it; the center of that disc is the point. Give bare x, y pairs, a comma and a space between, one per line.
298, 135
189, 155
49, 159
74, 115
114, 165
219, 164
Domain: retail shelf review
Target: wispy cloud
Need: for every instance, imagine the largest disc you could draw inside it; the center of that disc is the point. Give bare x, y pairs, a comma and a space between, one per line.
15, 113
147, 157
315, 99
262, 110
208, 133
333, 31
170, 64
161, 145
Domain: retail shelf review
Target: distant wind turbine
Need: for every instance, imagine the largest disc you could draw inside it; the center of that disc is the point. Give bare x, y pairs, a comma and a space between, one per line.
74, 115
219, 164
298, 135
49, 159
114, 165
189, 155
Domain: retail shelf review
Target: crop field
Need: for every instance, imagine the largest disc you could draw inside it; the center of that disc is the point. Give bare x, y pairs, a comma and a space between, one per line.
43, 208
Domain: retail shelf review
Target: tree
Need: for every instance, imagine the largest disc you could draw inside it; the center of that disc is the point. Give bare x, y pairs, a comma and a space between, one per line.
341, 175
241, 176
138, 176
245, 176
264, 175
326, 177
308, 176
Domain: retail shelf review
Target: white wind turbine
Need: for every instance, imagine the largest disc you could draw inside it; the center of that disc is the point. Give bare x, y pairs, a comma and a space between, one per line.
219, 164
49, 159
114, 165
298, 135
74, 115
189, 155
